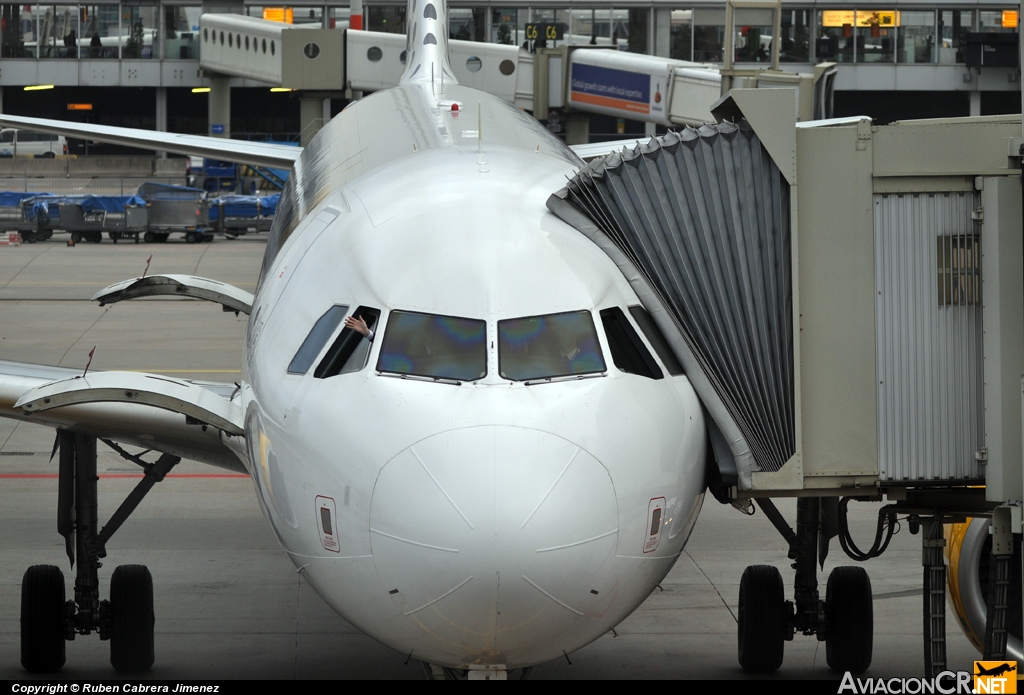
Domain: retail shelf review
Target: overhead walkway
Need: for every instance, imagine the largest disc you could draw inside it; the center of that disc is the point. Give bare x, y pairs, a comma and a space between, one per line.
318, 62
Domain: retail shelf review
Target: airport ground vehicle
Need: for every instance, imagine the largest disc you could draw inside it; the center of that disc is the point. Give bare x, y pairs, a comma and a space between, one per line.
175, 209
152, 214
20, 143
234, 215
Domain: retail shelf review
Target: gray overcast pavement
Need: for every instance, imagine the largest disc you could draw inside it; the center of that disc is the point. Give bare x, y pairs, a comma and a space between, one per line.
229, 603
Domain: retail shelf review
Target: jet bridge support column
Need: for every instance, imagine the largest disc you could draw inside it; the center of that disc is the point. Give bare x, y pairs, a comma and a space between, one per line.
311, 118
805, 584
219, 107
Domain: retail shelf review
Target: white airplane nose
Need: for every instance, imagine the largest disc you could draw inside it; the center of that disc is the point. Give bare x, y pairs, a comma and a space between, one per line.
496, 542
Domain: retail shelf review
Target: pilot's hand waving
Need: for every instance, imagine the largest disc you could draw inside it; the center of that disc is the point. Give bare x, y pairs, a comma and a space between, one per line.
357, 324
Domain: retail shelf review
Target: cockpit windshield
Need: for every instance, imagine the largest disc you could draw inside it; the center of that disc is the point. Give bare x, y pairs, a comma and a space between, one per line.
438, 347
547, 347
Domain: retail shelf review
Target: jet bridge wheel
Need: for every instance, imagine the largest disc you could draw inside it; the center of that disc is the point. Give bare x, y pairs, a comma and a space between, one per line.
849, 620
131, 619
42, 619
762, 619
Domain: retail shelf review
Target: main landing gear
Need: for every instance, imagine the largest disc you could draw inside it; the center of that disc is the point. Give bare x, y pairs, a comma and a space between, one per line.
48, 620
844, 620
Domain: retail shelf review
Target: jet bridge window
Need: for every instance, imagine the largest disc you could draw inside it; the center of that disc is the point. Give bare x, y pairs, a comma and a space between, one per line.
435, 347
322, 330
657, 339
548, 347
350, 350
959, 263
629, 354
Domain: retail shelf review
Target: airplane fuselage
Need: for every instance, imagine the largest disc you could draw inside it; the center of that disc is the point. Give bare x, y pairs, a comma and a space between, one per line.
488, 519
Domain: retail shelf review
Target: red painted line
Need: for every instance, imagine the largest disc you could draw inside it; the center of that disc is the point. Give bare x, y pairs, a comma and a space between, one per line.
48, 476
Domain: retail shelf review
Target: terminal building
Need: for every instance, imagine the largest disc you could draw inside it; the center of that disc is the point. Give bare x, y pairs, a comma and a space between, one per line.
136, 64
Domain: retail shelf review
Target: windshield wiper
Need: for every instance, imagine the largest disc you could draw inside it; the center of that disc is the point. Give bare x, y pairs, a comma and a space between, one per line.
418, 377
565, 377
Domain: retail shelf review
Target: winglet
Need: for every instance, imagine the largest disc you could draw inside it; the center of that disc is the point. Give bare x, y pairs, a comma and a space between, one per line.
426, 43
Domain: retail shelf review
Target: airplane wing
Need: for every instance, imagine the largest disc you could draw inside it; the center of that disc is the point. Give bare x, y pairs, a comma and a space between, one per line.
191, 419
242, 151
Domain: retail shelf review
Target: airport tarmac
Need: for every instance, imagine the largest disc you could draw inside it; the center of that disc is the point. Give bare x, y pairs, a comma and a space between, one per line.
229, 603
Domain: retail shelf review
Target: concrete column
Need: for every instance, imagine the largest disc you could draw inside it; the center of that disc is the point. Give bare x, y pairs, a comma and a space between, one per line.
161, 109
663, 32
219, 107
311, 118
577, 128
161, 112
975, 103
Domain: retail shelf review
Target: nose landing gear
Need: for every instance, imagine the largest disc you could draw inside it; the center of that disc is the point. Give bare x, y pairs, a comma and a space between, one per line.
766, 620
127, 619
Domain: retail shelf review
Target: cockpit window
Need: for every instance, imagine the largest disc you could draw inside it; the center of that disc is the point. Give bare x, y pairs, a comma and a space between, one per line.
629, 354
350, 350
657, 339
322, 330
438, 347
546, 347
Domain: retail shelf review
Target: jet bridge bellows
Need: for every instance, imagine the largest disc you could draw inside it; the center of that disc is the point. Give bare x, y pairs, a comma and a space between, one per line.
703, 218
844, 298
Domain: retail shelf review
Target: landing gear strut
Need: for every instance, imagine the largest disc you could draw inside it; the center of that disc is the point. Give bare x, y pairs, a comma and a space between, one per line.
844, 620
47, 620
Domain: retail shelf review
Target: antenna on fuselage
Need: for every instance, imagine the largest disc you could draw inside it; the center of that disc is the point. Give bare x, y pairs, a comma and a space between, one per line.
427, 43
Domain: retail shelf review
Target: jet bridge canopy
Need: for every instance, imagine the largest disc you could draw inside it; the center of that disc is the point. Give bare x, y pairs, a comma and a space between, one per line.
699, 221
825, 288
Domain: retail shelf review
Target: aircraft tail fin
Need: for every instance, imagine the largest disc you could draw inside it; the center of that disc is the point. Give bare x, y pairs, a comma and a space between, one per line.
426, 43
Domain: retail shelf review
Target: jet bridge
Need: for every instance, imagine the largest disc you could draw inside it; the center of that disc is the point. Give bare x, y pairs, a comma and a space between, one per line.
318, 61
848, 302
831, 301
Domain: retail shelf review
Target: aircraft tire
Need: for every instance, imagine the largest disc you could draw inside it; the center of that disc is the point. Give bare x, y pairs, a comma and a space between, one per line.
762, 619
849, 620
42, 619
131, 619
